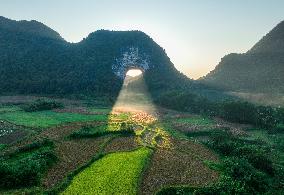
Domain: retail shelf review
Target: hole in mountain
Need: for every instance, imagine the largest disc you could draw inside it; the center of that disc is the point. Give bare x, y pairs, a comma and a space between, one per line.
134, 72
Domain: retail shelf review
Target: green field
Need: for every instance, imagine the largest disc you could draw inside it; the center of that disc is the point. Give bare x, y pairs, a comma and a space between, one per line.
100, 110
45, 119
116, 173
12, 108
196, 120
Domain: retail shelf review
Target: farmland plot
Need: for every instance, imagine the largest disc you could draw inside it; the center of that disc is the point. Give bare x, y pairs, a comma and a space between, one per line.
116, 173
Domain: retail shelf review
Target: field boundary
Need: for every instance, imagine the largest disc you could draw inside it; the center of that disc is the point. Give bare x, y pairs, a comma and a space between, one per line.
64, 184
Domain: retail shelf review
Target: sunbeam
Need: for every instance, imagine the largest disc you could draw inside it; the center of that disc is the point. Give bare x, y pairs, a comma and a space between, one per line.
134, 95
135, 100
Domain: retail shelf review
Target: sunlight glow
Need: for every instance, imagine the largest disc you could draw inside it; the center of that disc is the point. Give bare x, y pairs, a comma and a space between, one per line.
135, 100
134, 94
134, 72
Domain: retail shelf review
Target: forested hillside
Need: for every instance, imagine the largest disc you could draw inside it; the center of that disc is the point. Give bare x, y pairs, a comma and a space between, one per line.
261, 69
35, 59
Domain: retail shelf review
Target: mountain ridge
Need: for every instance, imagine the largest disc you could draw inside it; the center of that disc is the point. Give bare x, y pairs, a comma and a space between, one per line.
260, 69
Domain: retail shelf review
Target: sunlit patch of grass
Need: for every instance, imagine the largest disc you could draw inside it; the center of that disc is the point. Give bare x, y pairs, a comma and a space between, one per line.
154, 137
116, 173
45, 119
143, 118
118, 117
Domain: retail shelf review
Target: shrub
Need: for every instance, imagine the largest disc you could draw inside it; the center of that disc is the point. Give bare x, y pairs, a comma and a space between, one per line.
266, 117
243, 177
184, 101
222, 143
241, 112
42, 104
234, 111
97, 131
26, 171
36, 145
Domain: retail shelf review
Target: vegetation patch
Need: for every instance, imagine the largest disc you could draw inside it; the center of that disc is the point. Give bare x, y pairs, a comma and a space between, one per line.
97, 110
2, 146
42, 104
9, 108
234, 111
116, 173
45, 119
101, 130
25, 167
196, 120
249, 165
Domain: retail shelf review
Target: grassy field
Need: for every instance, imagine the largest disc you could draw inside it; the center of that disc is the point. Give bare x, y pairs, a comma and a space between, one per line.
99, 110
116, 173
196, 120
45, 119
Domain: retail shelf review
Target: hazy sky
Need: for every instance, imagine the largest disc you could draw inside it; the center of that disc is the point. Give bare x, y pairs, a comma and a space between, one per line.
195, 33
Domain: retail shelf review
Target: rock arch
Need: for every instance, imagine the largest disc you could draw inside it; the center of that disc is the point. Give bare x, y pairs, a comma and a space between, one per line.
131, 58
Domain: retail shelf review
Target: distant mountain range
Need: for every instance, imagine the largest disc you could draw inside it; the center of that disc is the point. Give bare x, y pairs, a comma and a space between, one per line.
36, 59
261, 69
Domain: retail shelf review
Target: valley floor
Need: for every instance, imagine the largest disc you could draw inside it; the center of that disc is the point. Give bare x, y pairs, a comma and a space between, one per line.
87, 148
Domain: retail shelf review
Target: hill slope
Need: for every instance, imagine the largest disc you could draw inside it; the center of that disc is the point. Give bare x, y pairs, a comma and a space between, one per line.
261, 69
35, 59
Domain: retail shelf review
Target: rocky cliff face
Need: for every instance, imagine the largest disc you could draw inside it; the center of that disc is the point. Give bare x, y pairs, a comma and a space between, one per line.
131, 58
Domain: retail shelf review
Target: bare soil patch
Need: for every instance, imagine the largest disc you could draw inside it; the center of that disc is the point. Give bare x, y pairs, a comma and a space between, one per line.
197, 150
72, 154
56, 134
121, 144
170, 167
10, 133
234, 128
17, 99
78, 110
13, 137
